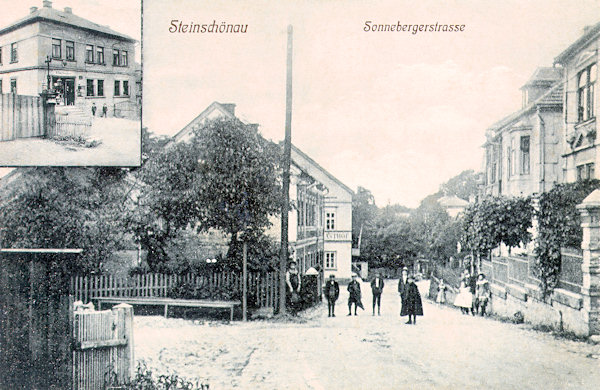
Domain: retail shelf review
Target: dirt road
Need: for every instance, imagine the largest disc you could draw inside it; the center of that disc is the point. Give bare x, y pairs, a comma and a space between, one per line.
445, 350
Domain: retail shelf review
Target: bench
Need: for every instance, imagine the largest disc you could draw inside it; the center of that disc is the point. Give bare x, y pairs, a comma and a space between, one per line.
166, 302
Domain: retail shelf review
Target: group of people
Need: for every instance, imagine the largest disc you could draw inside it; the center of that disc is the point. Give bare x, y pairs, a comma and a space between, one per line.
104, 110
473, 293
412, 305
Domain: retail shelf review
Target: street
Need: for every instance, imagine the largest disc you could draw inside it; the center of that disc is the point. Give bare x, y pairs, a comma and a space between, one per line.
445, 350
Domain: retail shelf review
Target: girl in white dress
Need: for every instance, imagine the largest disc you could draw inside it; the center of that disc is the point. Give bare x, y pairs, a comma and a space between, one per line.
464, 299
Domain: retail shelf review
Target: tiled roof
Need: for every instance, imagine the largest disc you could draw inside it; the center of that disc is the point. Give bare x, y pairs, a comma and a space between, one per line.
553, 97
54, 15
545, 76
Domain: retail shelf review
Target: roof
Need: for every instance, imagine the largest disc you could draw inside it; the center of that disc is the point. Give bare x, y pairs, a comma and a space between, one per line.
589, 34
313, 162
544, 76
554, 97
56, 16
452, 201
226, 109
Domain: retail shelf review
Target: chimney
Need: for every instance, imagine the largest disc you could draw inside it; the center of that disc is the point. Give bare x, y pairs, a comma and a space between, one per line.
32, 9
68, 10
229, 107
47, 4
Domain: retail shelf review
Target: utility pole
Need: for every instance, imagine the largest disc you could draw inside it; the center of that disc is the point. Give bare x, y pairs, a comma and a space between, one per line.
287, 152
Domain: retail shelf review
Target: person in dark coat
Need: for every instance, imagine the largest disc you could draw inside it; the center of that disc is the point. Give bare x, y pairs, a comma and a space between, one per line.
402, 284
354, 290
294, 283
332, 292
411, 302
104, 110
93, 109
471, 282
377, 288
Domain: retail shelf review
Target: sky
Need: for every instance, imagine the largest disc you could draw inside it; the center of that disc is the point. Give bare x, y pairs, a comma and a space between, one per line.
394, 112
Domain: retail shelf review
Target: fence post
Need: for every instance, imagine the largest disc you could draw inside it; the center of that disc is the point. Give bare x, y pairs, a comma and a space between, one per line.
124, 312
49, 103
590, 292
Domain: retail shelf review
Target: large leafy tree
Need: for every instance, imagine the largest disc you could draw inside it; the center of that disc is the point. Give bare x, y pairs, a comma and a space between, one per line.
225, 177
364, 212
65, 208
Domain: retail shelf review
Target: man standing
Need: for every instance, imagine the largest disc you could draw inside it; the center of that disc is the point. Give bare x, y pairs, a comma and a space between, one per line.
293, 281
377, 289
402, 285
93, 109
104, 110
354, 290
332, 292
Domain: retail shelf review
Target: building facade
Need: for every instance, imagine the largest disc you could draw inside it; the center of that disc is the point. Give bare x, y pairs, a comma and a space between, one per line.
83, 61
320, 219
522, 150
580, 146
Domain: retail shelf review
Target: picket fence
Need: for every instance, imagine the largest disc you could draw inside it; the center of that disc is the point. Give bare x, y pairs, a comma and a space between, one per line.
103, 348
69, 127
263, 287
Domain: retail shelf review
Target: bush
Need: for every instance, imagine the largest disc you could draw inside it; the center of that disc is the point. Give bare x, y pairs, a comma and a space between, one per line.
145, 380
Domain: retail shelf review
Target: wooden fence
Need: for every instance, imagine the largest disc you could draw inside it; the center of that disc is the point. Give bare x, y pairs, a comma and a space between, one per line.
70, 127
103, 348
21, 117
263, 287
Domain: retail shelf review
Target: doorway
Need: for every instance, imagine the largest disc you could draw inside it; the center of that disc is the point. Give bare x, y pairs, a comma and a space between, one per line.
65, 86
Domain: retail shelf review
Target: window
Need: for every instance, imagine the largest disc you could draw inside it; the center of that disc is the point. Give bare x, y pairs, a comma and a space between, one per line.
13, 86
89, 54
586, 172
509, 161
330, 221
0, 55
116, 57
586, 80
56, 48
125, 88
330, 262
117, 88
70, 50
90, 87
493, 163
124, 59
100, 87
100, 55
0, 87
525, 155
14, 56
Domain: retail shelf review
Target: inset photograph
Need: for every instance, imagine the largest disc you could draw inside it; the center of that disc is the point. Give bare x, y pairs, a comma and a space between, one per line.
70, 83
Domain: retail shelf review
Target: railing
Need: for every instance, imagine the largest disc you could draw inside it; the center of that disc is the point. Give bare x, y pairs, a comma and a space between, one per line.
71, 127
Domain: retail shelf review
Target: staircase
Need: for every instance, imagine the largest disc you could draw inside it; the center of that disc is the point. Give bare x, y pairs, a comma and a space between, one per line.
73, 114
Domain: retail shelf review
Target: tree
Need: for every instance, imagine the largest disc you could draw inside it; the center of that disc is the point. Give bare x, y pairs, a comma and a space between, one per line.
226, 177
66, 208
364, 212
464, 185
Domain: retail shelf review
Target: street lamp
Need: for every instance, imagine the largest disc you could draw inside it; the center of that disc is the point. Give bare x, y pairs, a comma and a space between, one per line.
47, 62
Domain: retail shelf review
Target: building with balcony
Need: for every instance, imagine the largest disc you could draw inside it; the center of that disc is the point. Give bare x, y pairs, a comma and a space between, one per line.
580, 74
83, 61
523, 150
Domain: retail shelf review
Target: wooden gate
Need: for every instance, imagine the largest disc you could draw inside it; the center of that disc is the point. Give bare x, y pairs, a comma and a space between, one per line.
103, 348
21, 117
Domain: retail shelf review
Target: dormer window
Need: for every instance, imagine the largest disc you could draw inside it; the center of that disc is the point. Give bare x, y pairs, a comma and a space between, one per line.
586, 81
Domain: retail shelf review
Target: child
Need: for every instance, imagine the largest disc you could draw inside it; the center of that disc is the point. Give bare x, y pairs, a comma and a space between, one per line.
441, 295
464, 299
482, 294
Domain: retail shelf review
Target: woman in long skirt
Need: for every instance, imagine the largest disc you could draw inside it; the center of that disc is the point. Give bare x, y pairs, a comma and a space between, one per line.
464, 299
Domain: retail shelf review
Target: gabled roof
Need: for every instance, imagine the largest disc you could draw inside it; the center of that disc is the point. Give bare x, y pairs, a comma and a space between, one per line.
227, 110
53, 15
329, 175
590, 34
544, 76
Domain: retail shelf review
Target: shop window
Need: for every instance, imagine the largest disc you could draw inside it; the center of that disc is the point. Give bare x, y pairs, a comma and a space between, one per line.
90, 87
100, 87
